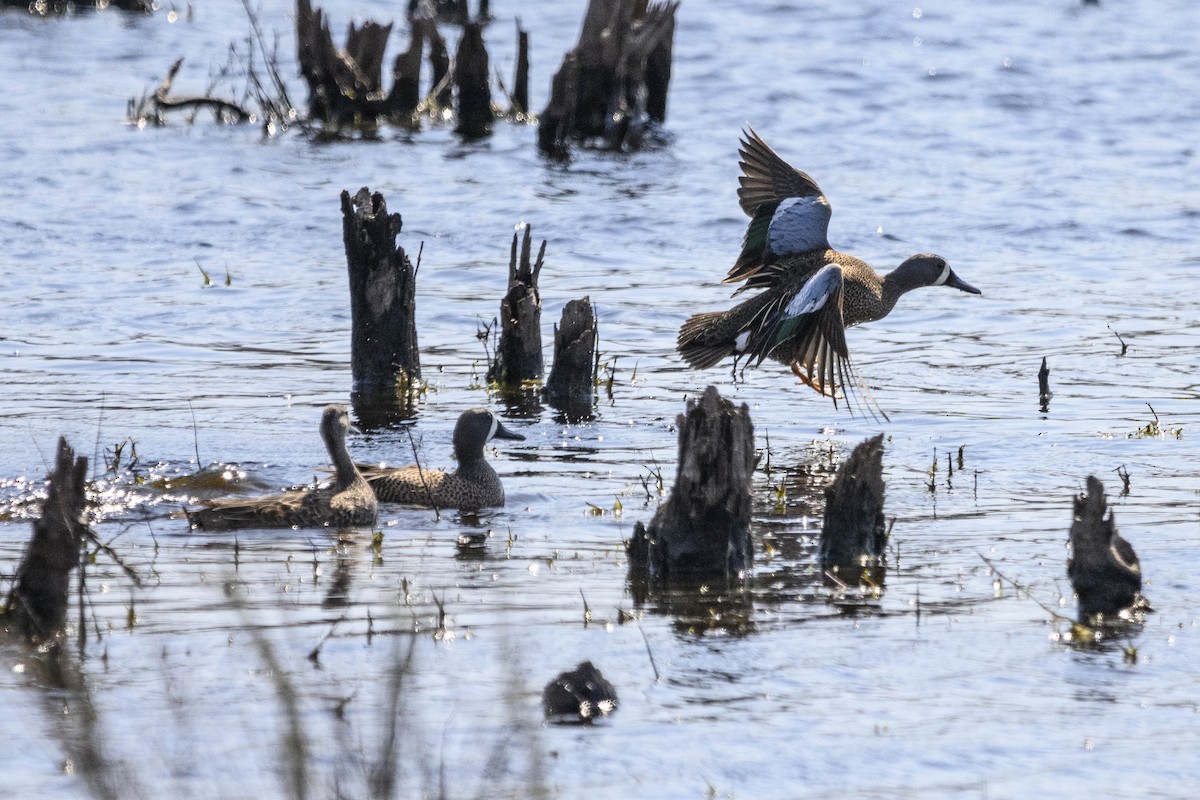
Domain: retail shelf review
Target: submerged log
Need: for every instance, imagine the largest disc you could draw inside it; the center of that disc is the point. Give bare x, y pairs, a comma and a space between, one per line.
385, 361
853, 536
579, 696
614, 82
471, 79
519, 353
1103, 568
571, 387
37, 604
703, 530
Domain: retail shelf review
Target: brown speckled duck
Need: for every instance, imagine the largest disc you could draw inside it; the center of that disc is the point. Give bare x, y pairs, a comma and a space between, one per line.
811, 292
346, 502
473, 485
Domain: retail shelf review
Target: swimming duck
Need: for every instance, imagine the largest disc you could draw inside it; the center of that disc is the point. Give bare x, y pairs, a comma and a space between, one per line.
1104, 569
472, 486
347, 502
811, 292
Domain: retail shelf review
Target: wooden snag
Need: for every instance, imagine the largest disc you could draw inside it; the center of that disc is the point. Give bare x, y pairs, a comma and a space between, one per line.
702, 532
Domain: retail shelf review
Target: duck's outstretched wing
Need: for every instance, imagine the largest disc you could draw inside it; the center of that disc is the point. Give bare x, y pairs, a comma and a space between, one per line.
789, 212
805, 329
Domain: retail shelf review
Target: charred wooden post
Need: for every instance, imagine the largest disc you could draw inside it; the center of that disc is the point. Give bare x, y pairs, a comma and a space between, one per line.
1103, 568
344, 86
37, 604
385, 361
405, 94
520, 96
853, 536
519, 353
1044, 393
614, 82
442, 87
471, 79
703, 530
558, 119
579, 696
571, 387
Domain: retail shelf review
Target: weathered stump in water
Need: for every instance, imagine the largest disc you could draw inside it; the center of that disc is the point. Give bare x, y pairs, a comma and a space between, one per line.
1103, 568
579, 696
37, 604
614, 82
571, 387
384, 358
405, 94
1044, 393
344, 86
519, 352
853, 535
520, 94
703, 530
472, 80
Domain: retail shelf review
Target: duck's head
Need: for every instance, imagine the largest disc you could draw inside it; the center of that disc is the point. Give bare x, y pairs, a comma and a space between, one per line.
335, 423
476, 428
927, 269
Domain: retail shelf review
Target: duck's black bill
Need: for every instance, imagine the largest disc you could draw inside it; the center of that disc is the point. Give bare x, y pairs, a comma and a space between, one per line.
958, 283
505, 433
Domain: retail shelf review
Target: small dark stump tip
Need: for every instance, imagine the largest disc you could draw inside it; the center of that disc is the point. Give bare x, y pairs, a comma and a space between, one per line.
579, 697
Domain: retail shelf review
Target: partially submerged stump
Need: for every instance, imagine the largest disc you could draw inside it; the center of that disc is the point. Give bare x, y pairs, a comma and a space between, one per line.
579, 696
519, 352
853, 536
703, 530
471, 79
385, 361
344, 86
1103, 568
37, 604
614, 82
1044, 393
571, 387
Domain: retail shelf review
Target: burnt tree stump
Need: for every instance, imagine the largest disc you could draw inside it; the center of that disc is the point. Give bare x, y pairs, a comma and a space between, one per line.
519, 353
571, 387
1103, 568
520, 95
615, 80
385, 361
439, 62
471, 79
1044, 393
344, 86
579, 696
853, 535
37, 604
405, 94
702, 532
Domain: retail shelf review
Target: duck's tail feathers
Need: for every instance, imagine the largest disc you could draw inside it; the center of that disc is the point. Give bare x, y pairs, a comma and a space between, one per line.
698, 346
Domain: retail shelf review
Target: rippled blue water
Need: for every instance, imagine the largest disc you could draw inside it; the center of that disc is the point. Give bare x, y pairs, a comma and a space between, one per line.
1047, 151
